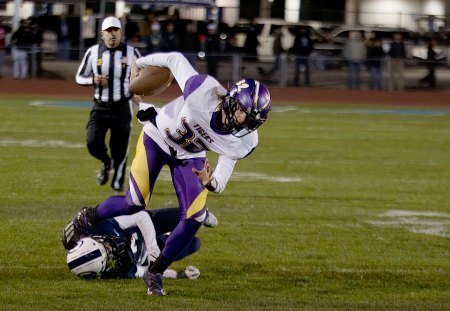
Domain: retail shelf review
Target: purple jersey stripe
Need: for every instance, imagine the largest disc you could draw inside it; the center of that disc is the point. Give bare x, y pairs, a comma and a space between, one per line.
192, 84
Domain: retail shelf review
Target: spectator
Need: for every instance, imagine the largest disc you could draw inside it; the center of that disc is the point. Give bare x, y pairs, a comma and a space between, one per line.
448, 53
132, 35
277, 51
212, 48
375, 55
153, 40
64, 44
22, 41
302, 48
36, 55
355, 54
170, 40
89, 28
131, 30
430, 78
251, 44
190, 43
175, 19
397, 56
145, 26
2, 48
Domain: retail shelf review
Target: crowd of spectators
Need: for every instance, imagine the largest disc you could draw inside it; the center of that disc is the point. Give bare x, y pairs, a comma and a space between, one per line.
380, 64
212, 40
386, 70
152, 35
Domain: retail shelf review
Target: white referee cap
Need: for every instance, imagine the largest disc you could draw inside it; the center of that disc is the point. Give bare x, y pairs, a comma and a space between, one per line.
111, 22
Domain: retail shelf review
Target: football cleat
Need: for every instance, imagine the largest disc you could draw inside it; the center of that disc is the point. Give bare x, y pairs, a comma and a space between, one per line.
103, 175
117, 186
69, 236
210, 220
154, 284
190, 273
81, 222
170, 274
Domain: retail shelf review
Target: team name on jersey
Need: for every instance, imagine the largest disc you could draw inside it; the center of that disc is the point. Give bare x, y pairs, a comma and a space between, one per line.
202, 133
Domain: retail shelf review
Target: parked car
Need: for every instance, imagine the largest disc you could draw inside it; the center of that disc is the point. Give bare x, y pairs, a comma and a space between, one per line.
265, 29
329, 54
419, 50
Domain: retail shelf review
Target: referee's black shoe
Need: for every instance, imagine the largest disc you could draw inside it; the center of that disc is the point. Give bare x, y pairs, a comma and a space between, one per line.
117, 186
103, 175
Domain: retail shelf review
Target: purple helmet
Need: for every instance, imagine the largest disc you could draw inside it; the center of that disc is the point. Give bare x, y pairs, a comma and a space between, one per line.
254, 100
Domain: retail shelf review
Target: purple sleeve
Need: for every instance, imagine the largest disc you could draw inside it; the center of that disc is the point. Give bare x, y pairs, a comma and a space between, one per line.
192, 84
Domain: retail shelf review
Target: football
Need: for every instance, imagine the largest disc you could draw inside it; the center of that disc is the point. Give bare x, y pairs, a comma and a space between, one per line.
150, 80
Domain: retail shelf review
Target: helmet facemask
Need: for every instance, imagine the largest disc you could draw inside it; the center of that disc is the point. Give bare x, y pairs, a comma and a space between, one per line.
230, 105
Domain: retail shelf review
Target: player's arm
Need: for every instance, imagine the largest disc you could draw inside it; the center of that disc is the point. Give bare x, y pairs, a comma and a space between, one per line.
216, 180
133, 68
145, 224
84, 74
175, 61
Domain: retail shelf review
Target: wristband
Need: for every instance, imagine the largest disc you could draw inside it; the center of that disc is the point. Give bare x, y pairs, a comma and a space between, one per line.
212, 185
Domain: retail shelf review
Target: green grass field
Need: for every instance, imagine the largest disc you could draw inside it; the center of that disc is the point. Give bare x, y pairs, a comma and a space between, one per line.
339, 208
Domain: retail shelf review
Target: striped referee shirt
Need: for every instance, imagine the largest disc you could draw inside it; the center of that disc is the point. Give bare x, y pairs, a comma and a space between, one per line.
112, 63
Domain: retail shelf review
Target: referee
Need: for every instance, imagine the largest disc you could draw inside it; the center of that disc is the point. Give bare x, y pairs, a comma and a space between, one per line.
107, 66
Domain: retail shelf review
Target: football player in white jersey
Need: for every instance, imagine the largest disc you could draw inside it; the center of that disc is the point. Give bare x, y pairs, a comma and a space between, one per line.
206, 117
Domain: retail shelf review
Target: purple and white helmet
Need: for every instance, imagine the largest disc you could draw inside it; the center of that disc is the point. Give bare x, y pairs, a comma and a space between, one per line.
254, 99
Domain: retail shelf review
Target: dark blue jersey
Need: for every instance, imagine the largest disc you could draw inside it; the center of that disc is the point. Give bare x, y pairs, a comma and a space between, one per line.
137, 239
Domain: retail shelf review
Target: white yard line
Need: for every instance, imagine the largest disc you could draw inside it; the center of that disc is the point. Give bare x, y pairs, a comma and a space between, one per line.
165, 175
423, 222
34, 143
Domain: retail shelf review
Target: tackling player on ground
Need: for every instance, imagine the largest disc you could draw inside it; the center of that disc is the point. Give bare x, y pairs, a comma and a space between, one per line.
206, 117
123, 246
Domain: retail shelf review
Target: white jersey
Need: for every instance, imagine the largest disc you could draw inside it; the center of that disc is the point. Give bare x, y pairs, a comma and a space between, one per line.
140, 226
185, 123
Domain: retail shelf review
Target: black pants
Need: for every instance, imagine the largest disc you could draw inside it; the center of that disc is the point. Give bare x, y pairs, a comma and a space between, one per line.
430, 78
117, 119
302, 61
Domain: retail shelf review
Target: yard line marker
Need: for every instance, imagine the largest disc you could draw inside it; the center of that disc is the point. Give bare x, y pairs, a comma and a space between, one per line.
422, 222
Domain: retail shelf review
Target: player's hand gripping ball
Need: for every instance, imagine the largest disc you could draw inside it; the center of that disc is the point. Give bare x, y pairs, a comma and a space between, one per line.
150, 80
